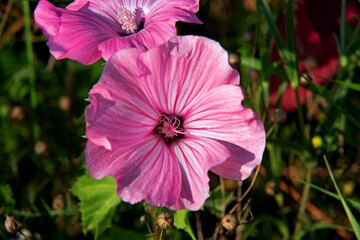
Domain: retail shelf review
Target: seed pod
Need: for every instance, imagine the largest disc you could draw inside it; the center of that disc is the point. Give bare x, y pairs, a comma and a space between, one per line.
165, 220
230, 222
271, 188
304, 80
234, 60
12, 225
58, 202
41, 148
279, 116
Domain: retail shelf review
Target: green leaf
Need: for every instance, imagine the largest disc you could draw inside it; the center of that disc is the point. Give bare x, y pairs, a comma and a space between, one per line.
287, 55
324, 93
353, 86
252, 62
98, 200
354, 203
291, 43
355, 225
182, 222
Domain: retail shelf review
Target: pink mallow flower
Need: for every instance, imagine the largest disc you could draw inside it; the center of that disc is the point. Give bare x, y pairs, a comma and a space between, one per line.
159, 121
90, 29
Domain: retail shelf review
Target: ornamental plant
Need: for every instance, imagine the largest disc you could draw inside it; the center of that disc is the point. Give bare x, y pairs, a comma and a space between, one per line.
161, 120
90, 29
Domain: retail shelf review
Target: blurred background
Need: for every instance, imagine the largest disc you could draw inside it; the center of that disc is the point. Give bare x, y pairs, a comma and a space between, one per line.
42, 103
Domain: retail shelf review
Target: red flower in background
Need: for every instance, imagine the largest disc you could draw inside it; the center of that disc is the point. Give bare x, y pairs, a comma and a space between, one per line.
316, 47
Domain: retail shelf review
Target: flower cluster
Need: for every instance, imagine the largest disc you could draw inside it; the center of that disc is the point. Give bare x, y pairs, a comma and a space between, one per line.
166, 110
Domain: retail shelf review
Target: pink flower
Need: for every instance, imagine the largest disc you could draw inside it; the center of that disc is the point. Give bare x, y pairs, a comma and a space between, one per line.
90, 29
159, 121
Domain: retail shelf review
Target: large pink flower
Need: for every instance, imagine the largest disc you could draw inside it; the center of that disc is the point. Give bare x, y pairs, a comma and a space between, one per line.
160, 120
90, 29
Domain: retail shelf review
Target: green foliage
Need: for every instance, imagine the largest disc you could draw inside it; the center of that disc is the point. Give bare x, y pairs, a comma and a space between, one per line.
182, 222
98, 200
354, 223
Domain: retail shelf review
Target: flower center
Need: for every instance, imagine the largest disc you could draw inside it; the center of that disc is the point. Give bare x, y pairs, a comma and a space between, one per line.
170, 127
130, 21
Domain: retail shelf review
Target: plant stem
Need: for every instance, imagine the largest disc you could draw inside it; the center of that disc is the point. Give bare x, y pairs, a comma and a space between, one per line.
304, 200
30, 56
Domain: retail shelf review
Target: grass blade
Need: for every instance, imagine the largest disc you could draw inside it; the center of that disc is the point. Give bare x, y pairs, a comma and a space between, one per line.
355, 225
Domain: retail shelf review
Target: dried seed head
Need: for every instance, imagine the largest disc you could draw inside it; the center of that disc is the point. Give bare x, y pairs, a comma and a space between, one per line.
17, 114
271, 188
12, 225
40, 148
234, 60
58, 202
65, 103
279, 116
165, 220
230, 222
304, 80
143, 219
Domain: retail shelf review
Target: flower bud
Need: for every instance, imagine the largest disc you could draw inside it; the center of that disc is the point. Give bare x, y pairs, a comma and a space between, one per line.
317, 142
230, 222
165, 220
279, 116
12, 225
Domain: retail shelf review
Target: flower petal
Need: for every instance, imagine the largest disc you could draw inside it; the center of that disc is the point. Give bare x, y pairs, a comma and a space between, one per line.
70, 34
115, 126
219, 115
119, 115
240, 163
196, 156
175, 81
148, 170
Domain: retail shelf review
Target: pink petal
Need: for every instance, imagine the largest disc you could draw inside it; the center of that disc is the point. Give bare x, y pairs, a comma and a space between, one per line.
70, 34
115, 126
240, 163
220, 116
190, 60
119, 115
196, 156
148, 170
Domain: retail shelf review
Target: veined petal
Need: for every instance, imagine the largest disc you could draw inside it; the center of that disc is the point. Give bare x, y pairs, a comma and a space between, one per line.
151, 36
119, 83
115, 126
240, 163
196, 156
175, 81
220, 116
72, 34
148, 170
172, 11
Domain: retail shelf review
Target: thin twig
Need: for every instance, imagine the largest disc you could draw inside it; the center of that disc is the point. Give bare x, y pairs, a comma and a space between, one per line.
198, 226
247, 190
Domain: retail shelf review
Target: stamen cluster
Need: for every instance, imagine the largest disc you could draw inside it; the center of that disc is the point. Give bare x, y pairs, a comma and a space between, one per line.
130, 21
170, 127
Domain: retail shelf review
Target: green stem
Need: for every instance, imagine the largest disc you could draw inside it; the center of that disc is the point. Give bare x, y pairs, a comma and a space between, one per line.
161, 233
30, 56
343, 26
304, 200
